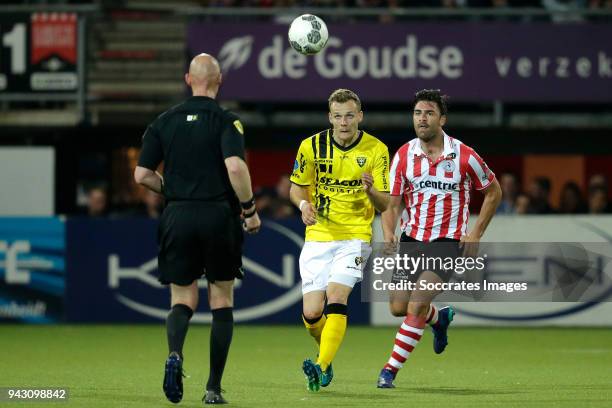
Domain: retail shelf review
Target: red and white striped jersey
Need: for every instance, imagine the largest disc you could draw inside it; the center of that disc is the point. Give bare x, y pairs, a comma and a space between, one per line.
437, 195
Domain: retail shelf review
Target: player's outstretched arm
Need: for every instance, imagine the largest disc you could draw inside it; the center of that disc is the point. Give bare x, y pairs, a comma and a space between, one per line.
299, 196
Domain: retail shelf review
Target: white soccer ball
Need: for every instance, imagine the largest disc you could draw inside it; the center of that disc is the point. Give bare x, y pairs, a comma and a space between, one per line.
308, 34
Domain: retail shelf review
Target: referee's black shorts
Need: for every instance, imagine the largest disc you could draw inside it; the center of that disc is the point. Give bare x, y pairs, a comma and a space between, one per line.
199, 238
442, 248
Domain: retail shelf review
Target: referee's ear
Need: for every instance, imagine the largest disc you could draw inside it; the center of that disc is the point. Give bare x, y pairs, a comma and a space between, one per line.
187, 79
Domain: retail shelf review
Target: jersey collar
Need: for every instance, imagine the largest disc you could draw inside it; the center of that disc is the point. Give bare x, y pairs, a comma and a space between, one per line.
343, 148
447, 153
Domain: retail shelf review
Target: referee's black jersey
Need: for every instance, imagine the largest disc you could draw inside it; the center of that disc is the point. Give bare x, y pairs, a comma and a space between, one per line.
193, 139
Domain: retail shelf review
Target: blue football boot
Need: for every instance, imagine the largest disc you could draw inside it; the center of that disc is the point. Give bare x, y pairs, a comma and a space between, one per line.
173, 378
313, 374
445, 317
385, 379
327, 376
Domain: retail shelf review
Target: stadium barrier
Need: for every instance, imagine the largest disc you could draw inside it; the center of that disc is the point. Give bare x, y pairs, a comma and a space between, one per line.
103, 270
32, 269
569, 229
110, 270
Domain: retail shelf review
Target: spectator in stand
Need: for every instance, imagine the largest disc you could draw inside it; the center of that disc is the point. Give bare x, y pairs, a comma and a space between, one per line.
539, 196
560, 9
598, 180
598, 201
570, 200
97, 202
281, 206
153, 204
599, 4
522, 204
264, 199
509, 186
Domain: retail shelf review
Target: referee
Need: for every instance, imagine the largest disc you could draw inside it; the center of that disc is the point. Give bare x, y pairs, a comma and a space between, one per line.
207, 187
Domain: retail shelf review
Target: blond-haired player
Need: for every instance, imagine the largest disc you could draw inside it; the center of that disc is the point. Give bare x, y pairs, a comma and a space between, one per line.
340, 177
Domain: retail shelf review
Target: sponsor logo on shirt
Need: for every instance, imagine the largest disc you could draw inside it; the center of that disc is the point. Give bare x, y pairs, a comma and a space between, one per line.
439, 185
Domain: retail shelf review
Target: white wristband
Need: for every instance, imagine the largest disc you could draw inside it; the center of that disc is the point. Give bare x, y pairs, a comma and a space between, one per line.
301, 204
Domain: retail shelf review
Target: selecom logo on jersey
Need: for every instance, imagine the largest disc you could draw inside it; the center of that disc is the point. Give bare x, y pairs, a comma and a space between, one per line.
270, 291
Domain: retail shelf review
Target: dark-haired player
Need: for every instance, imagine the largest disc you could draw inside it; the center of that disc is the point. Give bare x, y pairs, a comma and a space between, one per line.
431, 179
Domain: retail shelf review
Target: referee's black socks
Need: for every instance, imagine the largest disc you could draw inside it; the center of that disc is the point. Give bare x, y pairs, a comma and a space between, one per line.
176, 326
220, 340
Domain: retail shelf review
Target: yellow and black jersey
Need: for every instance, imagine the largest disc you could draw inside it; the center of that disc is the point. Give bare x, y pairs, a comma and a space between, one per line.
333, 174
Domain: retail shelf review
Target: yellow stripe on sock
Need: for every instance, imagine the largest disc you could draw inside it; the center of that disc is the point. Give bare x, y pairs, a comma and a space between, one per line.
331, 338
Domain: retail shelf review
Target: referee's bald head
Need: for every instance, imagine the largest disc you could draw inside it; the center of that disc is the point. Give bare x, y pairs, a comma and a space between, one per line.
204, 72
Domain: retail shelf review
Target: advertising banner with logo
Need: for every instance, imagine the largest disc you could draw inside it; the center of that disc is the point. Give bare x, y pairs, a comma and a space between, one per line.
112, 267
32, 269
513, 62
39, 52
578, 267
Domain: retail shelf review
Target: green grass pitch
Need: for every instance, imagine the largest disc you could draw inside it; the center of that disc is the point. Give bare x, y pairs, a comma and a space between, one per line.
122, 366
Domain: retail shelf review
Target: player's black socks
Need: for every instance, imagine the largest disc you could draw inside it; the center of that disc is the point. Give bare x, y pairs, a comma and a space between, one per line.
220, 340
176, 327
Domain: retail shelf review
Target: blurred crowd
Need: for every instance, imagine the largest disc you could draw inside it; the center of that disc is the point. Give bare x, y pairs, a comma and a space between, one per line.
553, 5
536, 199
98, 205
274, 203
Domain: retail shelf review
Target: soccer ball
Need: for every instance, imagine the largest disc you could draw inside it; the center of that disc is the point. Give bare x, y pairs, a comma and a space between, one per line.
308, 34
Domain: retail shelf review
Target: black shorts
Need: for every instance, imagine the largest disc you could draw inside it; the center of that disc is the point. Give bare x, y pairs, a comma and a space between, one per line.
442, 249
199, 238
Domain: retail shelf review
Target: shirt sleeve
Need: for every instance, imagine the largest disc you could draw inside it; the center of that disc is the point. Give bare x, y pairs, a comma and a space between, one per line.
380, 171
397, 178
303, 167
479, 172
232, 137
152, 153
